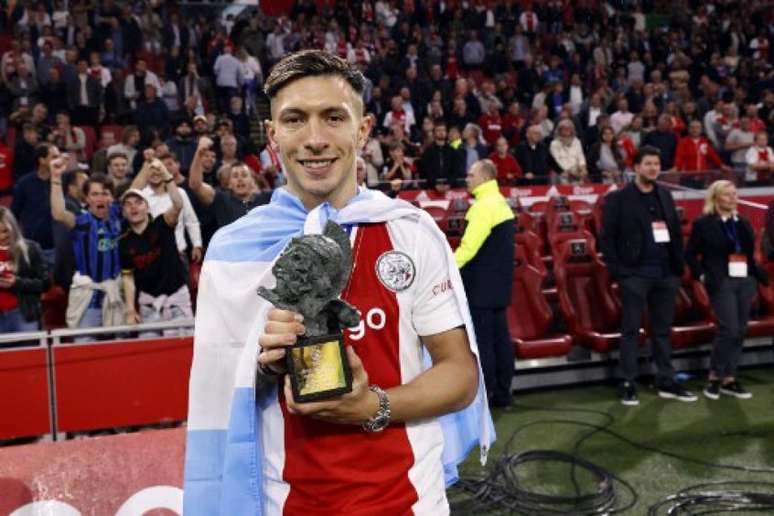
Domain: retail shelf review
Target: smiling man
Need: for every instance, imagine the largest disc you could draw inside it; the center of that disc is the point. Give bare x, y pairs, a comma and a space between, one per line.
391, 445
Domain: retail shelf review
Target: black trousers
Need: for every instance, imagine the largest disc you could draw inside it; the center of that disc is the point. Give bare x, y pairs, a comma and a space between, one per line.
658, 296
731, 302
495, 351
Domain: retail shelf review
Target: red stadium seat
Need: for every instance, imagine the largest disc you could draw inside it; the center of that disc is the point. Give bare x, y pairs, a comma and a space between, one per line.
585, 297
529, 317
693, 325
530, 243
762, 325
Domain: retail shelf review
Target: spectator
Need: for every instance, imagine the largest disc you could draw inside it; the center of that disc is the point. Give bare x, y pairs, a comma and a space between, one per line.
228, 76
46, 61
720, 253
53, 92
760, 158
567, 152
485, 258
472, 147
95, 294
193, 89
130, 138
135, 83
491, 124
239, 120
642, 245
508, 169
441, 165
621, 118
152, 115
70, 139
738, 141
182, 144
397, 167
23, 87
695, 152
665, 140
156, 188
24, 160
84, 95
374, 160
23, 278
398, 115
533, 157
606, 162
227, 205
64, 262
252, 75
150, 263
31, 205
118, 172
228, 151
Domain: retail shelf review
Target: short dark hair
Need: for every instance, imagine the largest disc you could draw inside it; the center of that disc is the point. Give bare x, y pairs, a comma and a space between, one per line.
114, 155
97, 179
41, 151
311, 63
646, 150
69, 177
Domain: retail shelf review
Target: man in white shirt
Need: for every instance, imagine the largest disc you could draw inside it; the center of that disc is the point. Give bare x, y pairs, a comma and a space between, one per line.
621, 119
134, 85
228, 76
759, 158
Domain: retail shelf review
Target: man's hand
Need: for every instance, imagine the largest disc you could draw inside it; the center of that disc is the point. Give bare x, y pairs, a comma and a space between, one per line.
58, 166
353, 408
148, 154
196, 254
132, 317
280, 331
205, 144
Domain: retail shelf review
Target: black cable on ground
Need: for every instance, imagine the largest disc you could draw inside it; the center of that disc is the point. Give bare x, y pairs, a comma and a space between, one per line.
501, 489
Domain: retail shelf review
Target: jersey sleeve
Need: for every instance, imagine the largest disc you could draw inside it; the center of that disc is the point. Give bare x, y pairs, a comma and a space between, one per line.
435, 308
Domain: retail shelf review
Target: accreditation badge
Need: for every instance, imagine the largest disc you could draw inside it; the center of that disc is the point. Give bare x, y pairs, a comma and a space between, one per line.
737, 266
660, 232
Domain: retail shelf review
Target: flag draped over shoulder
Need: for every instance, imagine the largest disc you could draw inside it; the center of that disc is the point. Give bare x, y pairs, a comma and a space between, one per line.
224, 456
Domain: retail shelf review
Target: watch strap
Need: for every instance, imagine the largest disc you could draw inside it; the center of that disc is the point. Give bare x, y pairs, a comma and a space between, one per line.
381, 419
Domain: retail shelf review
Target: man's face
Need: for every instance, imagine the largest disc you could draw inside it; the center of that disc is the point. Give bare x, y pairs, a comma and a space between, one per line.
184, 130
318, 128
533, 135
31, 137
39, 112
53, 153
761, 139
648, 169
98, 200
228, 146
77, 186
200, 126
82, 66
118, 168
134, 209
208, 160
241, 182
474, 177
439, 133
695, 129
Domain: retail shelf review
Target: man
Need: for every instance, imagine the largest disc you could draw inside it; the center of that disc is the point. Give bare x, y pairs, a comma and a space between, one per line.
182, 144
621, 119
227, 206
150, 262
31, 201
508, 170
151, 115
95, 294
695, 153
228, 76
664, 139
135, 83
533, 158
441, 165
84, 95
642, 246
24, 160
157, 191
760, 158
118, 172
279, 456
64, 263
485, 259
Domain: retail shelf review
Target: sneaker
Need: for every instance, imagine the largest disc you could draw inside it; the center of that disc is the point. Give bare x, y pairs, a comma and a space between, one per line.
674, 391
629, 394
736, 390
712, 390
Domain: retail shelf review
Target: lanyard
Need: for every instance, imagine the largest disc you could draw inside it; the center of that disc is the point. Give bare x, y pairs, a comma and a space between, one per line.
731, 233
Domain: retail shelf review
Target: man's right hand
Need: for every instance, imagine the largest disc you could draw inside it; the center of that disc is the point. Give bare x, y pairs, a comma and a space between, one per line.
280, 331
205, 143
148, 154
58, 166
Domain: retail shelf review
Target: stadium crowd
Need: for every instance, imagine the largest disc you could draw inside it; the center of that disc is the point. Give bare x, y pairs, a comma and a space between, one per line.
106, 107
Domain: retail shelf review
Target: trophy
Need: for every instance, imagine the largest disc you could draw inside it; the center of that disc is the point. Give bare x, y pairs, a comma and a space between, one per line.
311, 273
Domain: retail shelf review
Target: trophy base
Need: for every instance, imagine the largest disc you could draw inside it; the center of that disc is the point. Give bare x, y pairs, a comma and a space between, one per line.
318, 368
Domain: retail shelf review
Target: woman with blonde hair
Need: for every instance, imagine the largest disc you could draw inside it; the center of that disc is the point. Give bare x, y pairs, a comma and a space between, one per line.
23, 277
720, 254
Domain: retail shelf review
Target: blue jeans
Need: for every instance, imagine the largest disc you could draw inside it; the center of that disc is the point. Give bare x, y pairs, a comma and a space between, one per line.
13, 321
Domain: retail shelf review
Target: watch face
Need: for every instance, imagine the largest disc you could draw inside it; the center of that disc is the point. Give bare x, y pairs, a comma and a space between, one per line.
379, 423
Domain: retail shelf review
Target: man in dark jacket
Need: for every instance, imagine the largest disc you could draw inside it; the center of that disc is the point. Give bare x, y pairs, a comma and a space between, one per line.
182, 145
152, 114
643, 248
665, 140
485, 258
533, 157
84, 95
441, 166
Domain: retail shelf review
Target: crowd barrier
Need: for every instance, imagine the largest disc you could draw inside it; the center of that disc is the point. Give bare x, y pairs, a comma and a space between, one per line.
61, 385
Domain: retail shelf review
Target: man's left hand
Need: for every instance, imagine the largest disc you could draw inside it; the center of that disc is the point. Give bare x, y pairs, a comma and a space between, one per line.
353, 408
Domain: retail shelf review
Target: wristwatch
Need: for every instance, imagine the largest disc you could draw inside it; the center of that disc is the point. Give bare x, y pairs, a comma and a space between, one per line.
382, 417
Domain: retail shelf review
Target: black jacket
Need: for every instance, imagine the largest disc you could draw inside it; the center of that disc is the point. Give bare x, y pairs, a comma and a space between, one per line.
442, 162
31, 281
626, 225
709, 247
488, 275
